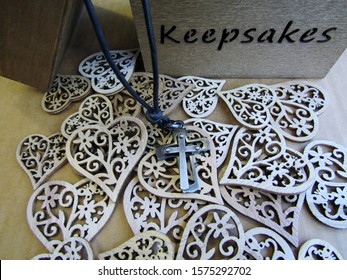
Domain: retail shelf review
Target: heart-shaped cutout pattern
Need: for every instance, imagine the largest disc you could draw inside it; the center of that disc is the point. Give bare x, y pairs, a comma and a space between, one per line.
265, 244
308, 95
107, 154
279, 212
317, 249
214, 232
59, 210
96, 109
327, 199
74, 248
146, 211
103, 79
221, 135
63, 90
41, 156
260, 159
250, 104
162, 178
201, 101
171, 91
149, 245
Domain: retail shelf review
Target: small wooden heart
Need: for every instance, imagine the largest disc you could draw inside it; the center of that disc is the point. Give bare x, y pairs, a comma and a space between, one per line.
41, 156
162, 178
317, 249
107, 154
149, 245
74, 248
58, 211
63, 91
214, 232
103, 79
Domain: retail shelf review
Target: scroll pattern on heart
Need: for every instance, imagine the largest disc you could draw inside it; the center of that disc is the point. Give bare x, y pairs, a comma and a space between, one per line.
279, 212
327, 199
162, 177
103, 79
317, 249
107, 154
265, 244
149, 245
146, 211
64, 90
58, 211
221, 135
40, 156
214, 232
74, 248
201, 101
261, 160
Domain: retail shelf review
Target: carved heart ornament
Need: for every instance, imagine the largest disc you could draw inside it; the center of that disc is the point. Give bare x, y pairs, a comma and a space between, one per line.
107, 154
58, 211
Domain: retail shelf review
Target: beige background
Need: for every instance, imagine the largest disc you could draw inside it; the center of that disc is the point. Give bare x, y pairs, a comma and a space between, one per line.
21, 114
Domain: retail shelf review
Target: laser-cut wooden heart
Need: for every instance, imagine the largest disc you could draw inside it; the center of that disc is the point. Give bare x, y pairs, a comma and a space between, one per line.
146, 211
103, 79
261, 160
107, 154
201, 101
58, 211
306, 94
64, 90
74, 248
161, 177
171, 91
149, 245
250, 104
317, 249
214, 232
221, 135
327, 199
41, 156
265, 244
279, 212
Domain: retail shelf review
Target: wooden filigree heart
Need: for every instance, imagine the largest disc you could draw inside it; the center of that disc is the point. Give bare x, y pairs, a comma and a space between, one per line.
265, 244
59, 210
146, 211
249, 104
171, 91
317, 249
308, 95
327, 199
260, 159
202, 99
149, 245
63, 91
107, 154
74, 248
214, 232
221, 135
96, 109
162, 178
41, 156
103, 79
279, 212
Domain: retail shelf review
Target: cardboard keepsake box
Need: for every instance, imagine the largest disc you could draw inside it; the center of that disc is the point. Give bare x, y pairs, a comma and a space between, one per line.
33, 37
245, 38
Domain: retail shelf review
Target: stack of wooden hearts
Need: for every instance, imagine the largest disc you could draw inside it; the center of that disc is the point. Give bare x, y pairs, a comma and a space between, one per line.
249, 170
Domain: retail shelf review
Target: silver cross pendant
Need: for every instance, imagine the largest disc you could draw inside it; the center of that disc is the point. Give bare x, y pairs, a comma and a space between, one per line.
184, 149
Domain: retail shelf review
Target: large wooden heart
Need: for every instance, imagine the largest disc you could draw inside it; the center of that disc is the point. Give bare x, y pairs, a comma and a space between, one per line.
107, 154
